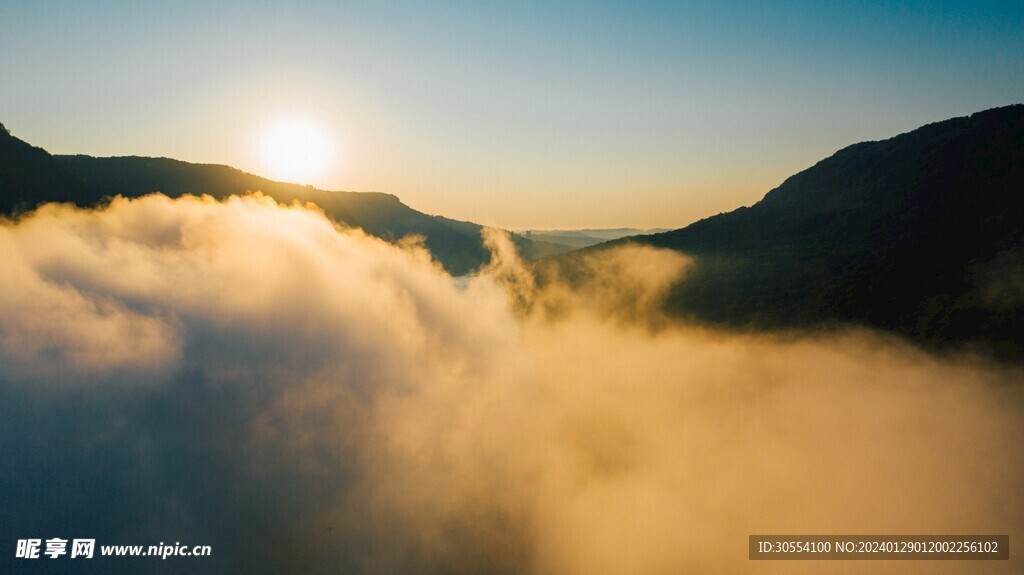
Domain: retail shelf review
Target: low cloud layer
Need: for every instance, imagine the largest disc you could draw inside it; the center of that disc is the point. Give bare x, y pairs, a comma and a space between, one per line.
305, 398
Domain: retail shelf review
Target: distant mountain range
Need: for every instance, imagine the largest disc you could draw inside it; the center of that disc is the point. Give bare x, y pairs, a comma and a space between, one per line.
921, 234
586, 237
30, 176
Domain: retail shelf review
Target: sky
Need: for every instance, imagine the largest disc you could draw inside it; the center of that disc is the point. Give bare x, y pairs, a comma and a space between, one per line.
512, 114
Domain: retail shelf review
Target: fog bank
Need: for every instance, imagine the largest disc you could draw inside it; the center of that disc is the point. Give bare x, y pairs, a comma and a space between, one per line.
307, 398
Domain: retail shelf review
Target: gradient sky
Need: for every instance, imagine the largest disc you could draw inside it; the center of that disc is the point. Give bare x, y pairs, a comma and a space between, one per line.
571, 114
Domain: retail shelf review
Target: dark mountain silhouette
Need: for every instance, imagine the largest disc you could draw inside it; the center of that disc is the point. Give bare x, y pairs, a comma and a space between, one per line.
30, 176
921, 234
456, 244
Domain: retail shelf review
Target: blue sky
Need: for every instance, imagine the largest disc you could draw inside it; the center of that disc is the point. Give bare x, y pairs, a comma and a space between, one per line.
514, 114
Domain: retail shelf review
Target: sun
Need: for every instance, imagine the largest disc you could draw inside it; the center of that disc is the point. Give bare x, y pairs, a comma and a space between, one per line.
295, 150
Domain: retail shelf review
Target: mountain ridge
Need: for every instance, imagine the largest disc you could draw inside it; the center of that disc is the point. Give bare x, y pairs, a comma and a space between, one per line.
907, 234
456, 244
30, 176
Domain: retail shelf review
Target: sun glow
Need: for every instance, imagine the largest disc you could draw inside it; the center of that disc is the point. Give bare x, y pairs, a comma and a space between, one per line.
295, 150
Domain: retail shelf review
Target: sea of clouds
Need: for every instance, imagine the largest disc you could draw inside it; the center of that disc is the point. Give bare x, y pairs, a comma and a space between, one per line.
307, 398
